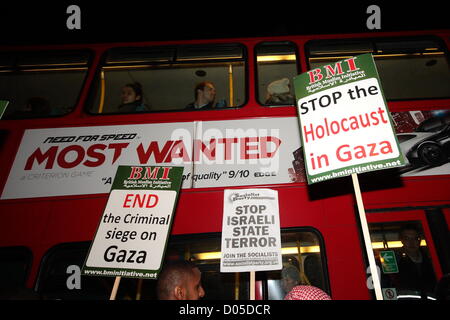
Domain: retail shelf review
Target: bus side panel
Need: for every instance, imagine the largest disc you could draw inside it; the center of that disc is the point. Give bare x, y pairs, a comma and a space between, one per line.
74, 220
23, 223
420, 191
345, 264
333, 215
198, 212
344, 248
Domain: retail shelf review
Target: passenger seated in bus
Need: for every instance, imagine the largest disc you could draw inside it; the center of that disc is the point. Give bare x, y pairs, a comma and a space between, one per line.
180, 280
290, 281
35, 107
279, 93
132, 97
290, 277
415, 268
205, 96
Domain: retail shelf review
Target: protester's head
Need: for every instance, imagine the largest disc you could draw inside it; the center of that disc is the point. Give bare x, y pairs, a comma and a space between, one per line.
131, 92
290, 277
180, 280
205, 92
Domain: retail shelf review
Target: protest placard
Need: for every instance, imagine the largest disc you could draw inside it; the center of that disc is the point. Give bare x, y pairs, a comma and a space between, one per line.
250, 231
133, 231
251, 238
344, 121
346, 129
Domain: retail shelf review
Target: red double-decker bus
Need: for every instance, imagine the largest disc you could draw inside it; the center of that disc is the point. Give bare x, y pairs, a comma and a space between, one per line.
225, 110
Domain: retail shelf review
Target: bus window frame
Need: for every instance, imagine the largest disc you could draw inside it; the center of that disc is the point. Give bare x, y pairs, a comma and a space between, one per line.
323, 258
298, 69
94, 87
405, 215
91, 55
373, 40
41, 276
177, 240
261, 275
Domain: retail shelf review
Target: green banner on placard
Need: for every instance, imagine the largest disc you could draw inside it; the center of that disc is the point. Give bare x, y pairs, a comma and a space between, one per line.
3, 105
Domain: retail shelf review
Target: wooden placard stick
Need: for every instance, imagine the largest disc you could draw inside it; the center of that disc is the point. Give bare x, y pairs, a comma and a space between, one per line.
115, 288
252, 285
366, 236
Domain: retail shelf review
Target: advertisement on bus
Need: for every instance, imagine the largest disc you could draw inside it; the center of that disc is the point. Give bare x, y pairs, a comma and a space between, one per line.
82, 160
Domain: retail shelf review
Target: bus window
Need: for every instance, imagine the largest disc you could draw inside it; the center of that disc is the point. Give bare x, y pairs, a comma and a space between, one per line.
60, 278
15, 263
60, 275
41, 84
403, 257
409, 68
164, 78
277, 65
303, 253
204, 251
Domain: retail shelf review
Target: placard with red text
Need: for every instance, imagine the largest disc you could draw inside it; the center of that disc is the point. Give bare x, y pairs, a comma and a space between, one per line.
132, 234
345, 124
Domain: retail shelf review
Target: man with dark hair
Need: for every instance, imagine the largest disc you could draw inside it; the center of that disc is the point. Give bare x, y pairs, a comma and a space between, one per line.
290, 277
415, 267
132, 98
205, 96
180, 280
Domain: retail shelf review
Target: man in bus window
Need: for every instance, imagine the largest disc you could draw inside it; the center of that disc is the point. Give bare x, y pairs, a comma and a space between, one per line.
36, 107
205, 96
132, 98
279, 93
180, 280
415, 268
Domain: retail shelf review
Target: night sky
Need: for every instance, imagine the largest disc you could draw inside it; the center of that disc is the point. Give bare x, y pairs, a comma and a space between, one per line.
41, 22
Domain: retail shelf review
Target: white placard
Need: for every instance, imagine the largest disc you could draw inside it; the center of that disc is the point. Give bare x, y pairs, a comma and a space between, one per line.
132, 233
250, 231
345, 124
